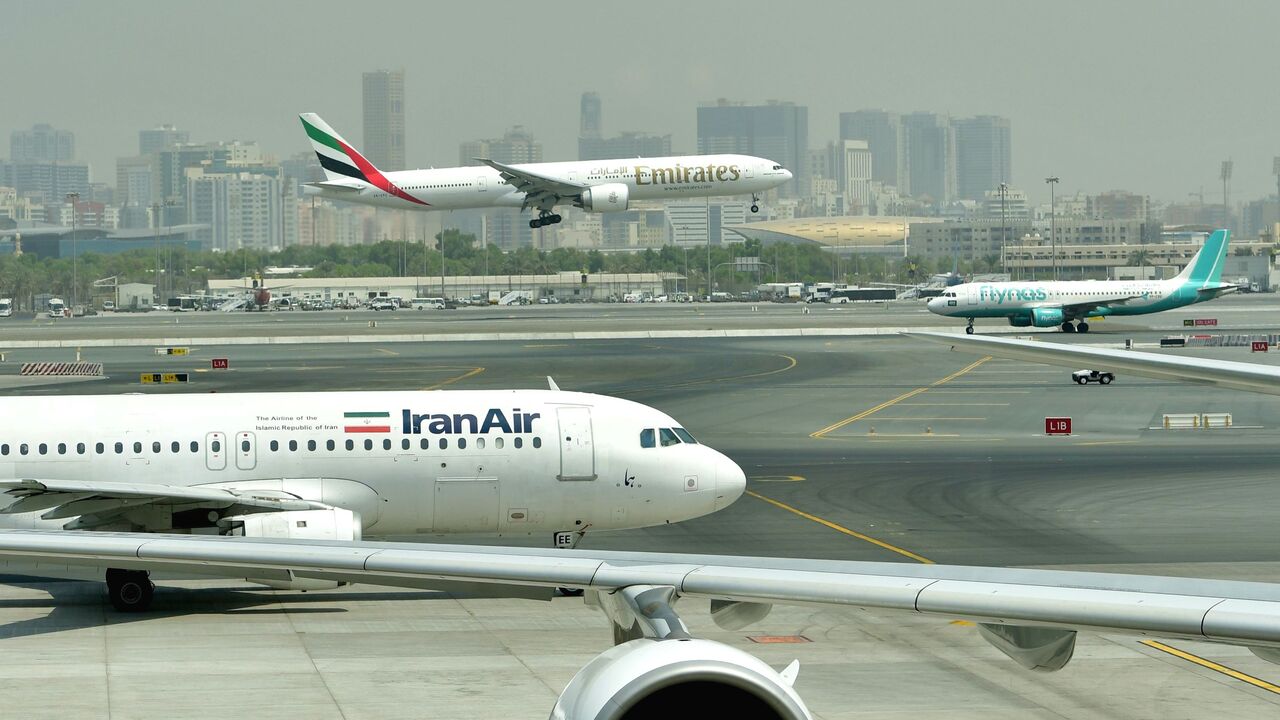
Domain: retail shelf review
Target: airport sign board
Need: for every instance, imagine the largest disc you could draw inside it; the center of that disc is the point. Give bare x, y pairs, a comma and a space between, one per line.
220, 363
1259, 346
1057, 426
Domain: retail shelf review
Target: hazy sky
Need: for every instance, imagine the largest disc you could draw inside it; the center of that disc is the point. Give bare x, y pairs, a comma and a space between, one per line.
1144, 96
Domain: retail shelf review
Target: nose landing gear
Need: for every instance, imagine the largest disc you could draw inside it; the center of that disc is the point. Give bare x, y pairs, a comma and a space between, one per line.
969, 328
755, 203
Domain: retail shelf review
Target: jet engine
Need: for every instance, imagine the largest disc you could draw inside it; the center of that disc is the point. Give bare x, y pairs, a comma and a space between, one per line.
329, 524
610, 197
1020, 320
649, 678
1047, 317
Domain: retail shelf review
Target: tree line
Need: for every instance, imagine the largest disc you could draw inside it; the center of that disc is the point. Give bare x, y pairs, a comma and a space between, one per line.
182, 271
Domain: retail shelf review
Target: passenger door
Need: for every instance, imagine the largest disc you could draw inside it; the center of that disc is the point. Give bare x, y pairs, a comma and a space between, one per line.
577, 452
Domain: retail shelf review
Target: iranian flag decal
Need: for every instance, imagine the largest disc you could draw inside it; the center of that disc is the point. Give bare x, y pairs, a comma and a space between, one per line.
367, 422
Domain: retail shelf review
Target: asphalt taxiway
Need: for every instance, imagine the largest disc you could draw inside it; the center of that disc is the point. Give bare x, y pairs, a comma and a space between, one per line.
860, 448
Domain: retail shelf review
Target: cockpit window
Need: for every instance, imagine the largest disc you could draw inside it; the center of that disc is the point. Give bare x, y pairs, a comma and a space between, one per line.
646, 438
668, 437
777, 167
685, 436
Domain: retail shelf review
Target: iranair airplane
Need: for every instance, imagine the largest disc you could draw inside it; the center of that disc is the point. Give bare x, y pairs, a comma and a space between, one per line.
346, 464
1069, 303
599, 186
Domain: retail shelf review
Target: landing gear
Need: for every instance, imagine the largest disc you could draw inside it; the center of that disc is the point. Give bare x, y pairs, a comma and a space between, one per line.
545, 218
1082, 326
1067, 327
129, 590
968, 330
755, 203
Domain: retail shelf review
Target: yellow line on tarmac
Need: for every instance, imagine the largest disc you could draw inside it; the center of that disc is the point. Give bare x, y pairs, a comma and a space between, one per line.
1202, 662
843, 529
890, 403
470, 373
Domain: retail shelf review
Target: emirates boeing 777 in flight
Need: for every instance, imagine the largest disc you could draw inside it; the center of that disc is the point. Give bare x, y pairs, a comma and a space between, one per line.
594, 185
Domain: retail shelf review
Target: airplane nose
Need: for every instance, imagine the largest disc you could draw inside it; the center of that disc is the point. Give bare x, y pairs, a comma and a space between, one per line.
731, 482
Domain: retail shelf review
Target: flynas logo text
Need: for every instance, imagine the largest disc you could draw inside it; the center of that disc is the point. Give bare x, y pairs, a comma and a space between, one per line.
999, 295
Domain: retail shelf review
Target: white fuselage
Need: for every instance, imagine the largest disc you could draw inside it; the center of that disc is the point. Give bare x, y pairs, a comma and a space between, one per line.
492, 462
1003, 299
664, 178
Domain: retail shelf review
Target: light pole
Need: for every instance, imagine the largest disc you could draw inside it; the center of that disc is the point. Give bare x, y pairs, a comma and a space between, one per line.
73, 198
1053, 223
1227, 166
1004, 222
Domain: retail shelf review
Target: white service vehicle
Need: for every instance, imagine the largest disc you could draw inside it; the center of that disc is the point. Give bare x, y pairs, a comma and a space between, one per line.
57, 308
1084, 377
6, 307
429, 303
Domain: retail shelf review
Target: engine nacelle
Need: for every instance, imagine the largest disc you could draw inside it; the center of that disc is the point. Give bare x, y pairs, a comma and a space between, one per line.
1020, 320
330, 524
666, 678
1047, 317
610, 197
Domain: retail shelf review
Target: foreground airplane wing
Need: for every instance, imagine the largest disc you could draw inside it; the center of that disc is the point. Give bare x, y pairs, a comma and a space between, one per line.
97, 503
1211, 371
535, 186
1030, 615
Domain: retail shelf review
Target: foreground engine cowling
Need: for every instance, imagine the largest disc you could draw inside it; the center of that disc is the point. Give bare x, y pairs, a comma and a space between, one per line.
668, 678
610, 197
328, 524
1020, 320
1047, 317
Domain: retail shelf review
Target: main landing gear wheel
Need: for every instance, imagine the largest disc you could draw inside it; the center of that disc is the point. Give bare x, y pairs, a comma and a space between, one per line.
1082, 326
968, 330
545, 219
129, 590
1067, 327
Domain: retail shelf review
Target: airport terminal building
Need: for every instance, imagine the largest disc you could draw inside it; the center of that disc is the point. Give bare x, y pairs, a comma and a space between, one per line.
567, 286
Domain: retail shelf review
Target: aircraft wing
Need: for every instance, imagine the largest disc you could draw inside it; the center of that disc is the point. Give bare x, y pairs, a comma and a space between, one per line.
1084, 308
535, 186
1030, 615
1211, 371
96, 503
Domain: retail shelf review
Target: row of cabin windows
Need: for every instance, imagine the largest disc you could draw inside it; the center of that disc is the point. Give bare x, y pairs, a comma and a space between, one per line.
176, 447
388, 444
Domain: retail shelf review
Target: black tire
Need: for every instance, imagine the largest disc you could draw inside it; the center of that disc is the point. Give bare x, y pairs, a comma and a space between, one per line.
1082, 327
755, 208
1067, 327
129, 590
533, 224
968, 330
1082, 381
1106, 379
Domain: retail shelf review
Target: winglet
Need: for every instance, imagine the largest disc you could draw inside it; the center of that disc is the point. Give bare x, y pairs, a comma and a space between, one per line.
790, 674
552, 384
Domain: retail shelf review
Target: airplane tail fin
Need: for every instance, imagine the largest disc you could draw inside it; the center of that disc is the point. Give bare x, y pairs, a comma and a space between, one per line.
1206, 266
343, 162
337, 157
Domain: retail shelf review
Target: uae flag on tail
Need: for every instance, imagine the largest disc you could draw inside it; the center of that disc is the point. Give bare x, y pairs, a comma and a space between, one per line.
367, 422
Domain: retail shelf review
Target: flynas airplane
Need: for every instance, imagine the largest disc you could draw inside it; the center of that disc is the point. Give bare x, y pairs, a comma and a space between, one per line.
595, 186
1069, 303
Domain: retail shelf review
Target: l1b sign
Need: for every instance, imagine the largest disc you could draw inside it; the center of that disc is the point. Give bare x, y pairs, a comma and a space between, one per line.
1057, 426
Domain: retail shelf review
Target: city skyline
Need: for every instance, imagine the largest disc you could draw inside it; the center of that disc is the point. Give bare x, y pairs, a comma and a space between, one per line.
1147, 115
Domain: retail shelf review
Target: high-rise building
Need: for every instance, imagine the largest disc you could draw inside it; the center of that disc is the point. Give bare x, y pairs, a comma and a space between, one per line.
48, 182
384, 119
983, 155
241, 210
516, 146
134, 178
931, 152
691, 222
1118, 205
778, 131
885, 138
855, 168
42, 144
161, 137
591, 122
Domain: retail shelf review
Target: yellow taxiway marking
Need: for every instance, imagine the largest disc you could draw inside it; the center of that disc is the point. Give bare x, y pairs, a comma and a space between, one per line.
470, 373
962, 623
778, 478
385, 351
890, 403
843, 529
1216, 667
